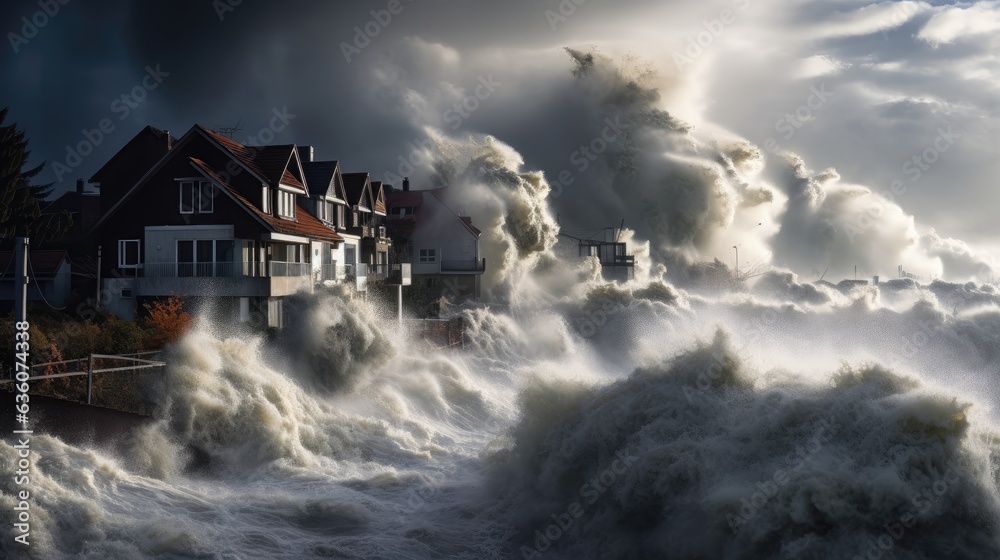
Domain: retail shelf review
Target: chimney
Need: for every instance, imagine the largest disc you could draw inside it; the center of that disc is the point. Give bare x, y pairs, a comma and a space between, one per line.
306, 153
406, 184
79, 186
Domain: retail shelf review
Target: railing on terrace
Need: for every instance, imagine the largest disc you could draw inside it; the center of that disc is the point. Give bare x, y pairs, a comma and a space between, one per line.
279, 268
395, 274
469, 265
221, 269
328, 272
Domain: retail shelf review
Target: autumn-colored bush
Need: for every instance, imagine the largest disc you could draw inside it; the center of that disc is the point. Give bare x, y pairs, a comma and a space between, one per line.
167, 321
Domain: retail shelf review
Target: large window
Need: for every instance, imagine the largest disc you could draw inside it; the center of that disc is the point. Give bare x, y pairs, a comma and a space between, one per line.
128, 253
207, 257
428, 255
197, 196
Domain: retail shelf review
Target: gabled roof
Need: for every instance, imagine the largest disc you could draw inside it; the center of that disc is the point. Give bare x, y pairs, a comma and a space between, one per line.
379, 195
138, 152
442, 194
359, 189
324, 179
304, 224
268, 164
415, 199
196, 129
274, 165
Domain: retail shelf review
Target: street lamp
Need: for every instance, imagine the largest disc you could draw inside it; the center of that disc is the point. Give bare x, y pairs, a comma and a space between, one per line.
738, 252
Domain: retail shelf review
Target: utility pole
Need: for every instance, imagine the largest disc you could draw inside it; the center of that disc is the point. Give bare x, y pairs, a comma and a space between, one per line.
21, 279
737, 262
98, 299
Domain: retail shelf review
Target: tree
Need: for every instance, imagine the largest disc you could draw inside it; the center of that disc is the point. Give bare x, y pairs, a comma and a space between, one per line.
167, 321
20, 201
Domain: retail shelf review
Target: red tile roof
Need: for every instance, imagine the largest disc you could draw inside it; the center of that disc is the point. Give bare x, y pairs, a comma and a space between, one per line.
269, 162
304, 224
288, 179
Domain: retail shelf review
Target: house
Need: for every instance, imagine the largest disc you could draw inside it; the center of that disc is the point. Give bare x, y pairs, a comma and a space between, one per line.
441, 244
49, 274
366, 223
616, 263
85, 209
327, 201
211, 219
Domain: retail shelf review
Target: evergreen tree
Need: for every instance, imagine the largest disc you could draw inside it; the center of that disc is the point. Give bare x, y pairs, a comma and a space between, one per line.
21, 202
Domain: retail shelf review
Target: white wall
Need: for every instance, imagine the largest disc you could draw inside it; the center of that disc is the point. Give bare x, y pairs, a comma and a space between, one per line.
442, 230
161, 241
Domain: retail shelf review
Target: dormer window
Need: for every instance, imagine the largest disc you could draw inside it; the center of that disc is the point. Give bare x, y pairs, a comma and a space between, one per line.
197, 197
286, 204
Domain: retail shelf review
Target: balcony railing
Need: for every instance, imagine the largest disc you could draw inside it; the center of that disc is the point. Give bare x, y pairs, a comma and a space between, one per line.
328, 272
279, 268
395, 274
470, 265
221, 269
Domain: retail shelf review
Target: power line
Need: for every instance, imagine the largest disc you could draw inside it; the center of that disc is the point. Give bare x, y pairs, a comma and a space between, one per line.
42, 295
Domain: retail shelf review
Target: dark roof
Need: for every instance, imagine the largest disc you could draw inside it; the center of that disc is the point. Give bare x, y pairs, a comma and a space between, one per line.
442, 194
71, 202
138, 148
319, 174
303, 224
405, 226
406, 199
356, 184
42, 263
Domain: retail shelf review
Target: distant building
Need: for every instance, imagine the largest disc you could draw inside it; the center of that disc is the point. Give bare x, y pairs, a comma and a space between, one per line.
441, 244
84, 207
50, 273
616, 263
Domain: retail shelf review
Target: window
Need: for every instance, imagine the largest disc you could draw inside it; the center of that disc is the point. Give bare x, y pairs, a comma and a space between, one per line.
187, 197
428, 255
126, 293
286, 204
341, 220
403, 211
198, 195
265, 200
206, 198
206, 257
128, 253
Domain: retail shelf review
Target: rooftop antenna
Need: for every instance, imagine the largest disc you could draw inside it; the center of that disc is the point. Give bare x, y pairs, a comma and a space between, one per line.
620, 228
230, 130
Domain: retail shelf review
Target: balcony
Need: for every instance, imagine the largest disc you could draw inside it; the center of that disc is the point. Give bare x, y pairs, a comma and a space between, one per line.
243, 279
468, 266
222, 269
392, 274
